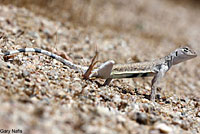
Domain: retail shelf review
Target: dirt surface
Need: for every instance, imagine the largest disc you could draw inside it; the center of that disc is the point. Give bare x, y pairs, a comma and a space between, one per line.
41, 95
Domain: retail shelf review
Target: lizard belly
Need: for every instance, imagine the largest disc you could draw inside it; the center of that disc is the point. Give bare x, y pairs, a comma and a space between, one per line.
131, 74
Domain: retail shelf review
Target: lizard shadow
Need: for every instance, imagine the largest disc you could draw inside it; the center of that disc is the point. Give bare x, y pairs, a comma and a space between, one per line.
120, 89
124, 91
158, 97
144, 95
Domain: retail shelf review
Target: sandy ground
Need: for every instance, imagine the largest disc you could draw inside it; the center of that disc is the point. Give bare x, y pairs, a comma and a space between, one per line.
41, 95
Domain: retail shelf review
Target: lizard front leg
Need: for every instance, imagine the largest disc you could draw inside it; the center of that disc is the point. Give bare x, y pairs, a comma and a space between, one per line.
160, 72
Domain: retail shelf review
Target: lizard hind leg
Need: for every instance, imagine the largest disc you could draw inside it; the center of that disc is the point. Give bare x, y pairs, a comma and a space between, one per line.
103, 71
107, 82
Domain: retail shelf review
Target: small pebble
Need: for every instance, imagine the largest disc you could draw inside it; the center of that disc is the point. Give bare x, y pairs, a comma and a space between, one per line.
140, 118
163, 128
185, 125
146, 107
176, 121
103, 111
25, 73
198, 114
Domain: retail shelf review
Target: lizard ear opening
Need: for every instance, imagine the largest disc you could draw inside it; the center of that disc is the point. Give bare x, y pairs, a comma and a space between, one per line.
176, 53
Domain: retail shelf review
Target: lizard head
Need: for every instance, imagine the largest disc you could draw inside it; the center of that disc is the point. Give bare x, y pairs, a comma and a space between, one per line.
182, 54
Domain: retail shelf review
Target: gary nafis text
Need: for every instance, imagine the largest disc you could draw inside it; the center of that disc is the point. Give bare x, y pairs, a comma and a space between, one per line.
10, 131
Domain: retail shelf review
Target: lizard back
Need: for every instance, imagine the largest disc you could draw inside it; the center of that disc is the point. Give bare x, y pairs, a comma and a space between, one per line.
131, 70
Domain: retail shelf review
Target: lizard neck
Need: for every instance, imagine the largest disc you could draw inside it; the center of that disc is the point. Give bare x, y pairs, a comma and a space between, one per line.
169, 60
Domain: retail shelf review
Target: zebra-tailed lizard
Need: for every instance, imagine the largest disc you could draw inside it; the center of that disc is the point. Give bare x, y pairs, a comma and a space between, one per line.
109, 70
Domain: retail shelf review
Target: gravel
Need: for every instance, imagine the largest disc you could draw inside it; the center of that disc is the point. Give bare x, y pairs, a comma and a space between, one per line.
40, 95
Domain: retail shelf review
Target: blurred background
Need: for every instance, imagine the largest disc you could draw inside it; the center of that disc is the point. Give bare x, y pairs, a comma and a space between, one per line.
176, 20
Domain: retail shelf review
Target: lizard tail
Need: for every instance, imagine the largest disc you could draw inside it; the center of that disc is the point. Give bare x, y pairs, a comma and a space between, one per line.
52, 55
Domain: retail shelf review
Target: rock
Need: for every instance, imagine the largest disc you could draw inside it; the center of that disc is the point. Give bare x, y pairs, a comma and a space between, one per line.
185, 125
121, 118
176, 121
198, 114
163, 128
146, 107
61, 94
139, 117
117, 98
153, 119
25, 73
103, 111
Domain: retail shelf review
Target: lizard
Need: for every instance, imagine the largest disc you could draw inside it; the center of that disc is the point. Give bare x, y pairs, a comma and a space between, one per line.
109, 70
156, 68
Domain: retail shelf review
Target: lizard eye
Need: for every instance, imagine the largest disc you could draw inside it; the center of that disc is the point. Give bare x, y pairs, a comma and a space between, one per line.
185, 49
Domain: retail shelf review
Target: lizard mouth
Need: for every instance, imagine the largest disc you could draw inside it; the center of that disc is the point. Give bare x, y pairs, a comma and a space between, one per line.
194, 54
